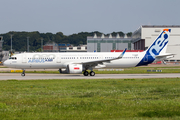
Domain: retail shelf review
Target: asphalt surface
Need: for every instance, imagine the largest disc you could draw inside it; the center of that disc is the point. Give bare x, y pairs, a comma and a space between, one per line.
35, 76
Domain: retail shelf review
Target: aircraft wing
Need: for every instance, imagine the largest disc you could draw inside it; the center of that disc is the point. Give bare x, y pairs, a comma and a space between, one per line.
96, 62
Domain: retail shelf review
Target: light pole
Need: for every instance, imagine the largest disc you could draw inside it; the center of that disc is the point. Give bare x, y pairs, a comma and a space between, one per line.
27, 44
11, 43
41, 44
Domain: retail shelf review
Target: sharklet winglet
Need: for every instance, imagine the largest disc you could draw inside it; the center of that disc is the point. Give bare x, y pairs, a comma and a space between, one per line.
122, 54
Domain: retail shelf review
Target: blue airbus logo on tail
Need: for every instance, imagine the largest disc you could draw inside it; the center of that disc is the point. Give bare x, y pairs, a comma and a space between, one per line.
160, 43
156, 48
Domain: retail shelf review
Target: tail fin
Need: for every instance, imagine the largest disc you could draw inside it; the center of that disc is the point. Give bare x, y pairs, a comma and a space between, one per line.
158, 47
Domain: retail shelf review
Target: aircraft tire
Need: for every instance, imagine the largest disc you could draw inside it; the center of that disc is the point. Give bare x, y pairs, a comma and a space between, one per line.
85, 73
92, 73
23, 74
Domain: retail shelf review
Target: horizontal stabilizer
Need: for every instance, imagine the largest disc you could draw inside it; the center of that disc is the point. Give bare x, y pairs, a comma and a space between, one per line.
165, 55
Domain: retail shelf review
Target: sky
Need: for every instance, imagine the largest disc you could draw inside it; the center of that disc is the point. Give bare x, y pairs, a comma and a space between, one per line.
74, 16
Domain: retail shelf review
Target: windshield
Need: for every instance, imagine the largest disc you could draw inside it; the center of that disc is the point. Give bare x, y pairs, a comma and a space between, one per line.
13, 58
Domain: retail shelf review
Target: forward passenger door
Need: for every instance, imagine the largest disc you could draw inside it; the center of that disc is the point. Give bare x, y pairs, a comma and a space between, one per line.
24, 59
58, 59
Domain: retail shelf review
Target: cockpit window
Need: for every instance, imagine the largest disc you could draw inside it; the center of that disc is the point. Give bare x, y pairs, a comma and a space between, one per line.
13, 58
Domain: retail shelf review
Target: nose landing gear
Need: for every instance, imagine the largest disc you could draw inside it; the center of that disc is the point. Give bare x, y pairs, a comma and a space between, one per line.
23, 73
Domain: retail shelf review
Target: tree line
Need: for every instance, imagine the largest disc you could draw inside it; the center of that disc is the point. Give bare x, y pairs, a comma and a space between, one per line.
19, 39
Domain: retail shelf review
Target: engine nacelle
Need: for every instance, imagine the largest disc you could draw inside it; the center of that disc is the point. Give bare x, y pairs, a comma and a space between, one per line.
74, 68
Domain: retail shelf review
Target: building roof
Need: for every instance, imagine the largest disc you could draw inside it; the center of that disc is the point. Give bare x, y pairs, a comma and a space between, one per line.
160, 26
154, 26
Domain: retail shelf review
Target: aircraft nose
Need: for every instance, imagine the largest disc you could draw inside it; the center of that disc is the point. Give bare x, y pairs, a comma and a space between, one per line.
6, 63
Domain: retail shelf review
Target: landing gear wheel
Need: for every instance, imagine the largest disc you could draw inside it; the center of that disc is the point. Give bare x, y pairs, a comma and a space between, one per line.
85, 73
23, 74
92, 73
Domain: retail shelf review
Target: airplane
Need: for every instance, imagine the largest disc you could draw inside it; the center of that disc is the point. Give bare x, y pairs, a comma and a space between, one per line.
76, 63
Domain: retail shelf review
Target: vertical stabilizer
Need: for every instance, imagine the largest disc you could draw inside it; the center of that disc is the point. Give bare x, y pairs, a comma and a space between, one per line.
158, 47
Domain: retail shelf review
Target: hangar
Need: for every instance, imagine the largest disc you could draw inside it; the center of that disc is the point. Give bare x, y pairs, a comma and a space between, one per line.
107, 43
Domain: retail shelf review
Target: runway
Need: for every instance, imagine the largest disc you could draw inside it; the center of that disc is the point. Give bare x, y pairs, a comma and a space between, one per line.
33, 76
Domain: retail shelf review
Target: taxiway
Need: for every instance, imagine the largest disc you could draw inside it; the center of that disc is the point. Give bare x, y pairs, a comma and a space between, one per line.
35, 76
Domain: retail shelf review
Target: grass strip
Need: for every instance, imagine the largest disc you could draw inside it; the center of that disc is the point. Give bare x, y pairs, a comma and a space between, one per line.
90, 99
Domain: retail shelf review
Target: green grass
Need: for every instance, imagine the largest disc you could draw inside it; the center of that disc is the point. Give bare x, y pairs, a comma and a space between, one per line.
3, 66
90, 99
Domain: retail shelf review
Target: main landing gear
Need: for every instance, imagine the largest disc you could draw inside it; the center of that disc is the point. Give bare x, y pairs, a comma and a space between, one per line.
23, 73
92, 73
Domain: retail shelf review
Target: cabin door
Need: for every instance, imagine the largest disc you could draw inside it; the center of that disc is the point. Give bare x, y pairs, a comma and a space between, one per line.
24, 59
58, 59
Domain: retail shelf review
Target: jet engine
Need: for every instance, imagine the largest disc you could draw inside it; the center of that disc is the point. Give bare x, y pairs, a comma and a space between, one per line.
72, 69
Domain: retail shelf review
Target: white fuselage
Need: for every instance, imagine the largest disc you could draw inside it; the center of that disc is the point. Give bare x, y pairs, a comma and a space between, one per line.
61, 60
76, 62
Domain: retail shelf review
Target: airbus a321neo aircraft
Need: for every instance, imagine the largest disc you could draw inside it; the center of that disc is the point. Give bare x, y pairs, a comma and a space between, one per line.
75, 62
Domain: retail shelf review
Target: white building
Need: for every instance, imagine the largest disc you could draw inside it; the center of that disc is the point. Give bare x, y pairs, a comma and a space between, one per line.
146, 34
82, 48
